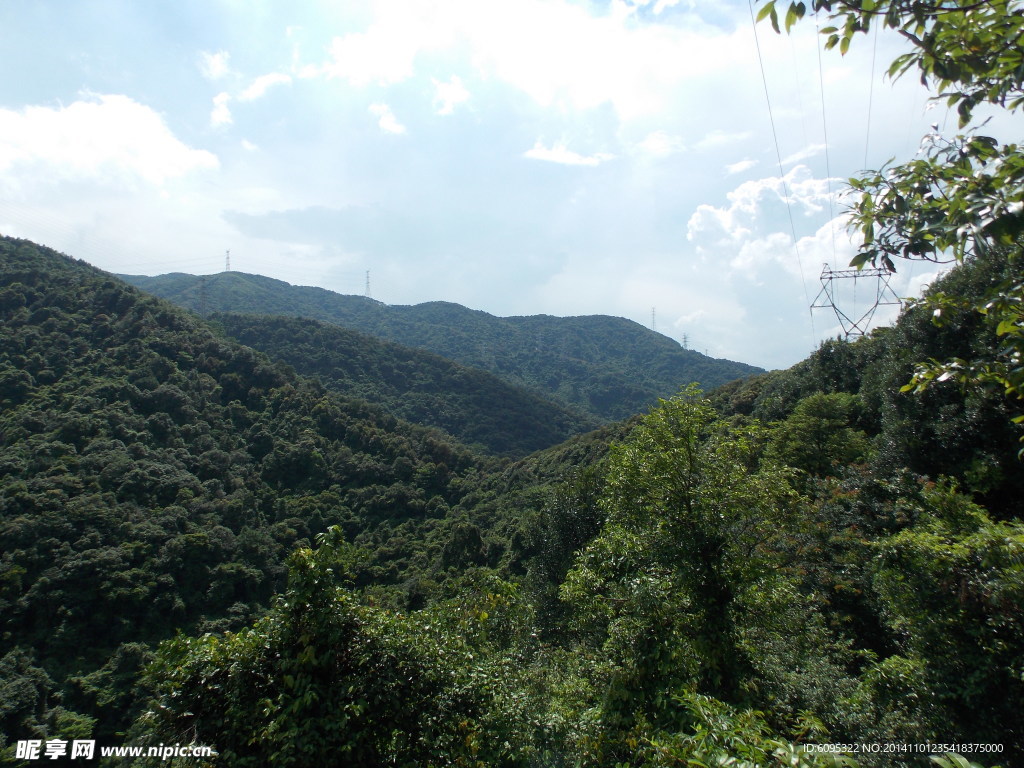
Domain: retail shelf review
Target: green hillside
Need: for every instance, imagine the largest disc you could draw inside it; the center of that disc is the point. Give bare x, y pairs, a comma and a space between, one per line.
609, 367
821, 567
472, 405
822, 558
154, 477
942, 431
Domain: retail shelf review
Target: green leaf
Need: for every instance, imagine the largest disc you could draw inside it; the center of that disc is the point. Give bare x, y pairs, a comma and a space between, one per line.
860, 260
766, 9
1007, 326
791, 17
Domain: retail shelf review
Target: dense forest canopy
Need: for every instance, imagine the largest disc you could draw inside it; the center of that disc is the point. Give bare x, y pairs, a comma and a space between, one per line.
155, 477
600, 601
474, 406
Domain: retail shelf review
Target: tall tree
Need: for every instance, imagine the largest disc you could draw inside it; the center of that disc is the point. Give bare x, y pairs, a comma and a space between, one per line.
680, 567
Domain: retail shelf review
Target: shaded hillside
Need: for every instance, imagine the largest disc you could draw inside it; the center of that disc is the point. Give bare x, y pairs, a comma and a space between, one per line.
475, 406
607, 366
154, 477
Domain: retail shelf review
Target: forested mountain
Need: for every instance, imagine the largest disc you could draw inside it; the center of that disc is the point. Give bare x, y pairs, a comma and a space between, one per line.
609, 367
154, 477
472, 405
690, 587
199, 546
811, 555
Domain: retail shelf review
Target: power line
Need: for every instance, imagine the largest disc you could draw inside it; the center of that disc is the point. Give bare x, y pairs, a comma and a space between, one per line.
782, 174
799, 89
824, 129
871, 94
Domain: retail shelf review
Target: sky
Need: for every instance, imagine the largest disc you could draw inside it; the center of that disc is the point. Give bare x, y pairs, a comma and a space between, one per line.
515, 156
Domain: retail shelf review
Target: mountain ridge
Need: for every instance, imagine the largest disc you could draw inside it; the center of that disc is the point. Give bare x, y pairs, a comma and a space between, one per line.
607, 366
472, 405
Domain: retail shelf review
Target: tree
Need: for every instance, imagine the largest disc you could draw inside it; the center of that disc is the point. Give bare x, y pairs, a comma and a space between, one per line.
681, 568
716, 734
969, 51
963, 197
950, 587
325, 678
817, 436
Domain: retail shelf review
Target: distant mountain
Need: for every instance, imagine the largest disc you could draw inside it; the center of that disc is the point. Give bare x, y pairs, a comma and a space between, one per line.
473, 405
607, 366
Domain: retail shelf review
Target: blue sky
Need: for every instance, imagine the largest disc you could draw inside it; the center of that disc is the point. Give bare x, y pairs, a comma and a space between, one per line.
519, 157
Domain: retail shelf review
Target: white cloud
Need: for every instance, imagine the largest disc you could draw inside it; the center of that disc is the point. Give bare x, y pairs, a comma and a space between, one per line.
773, 251
718, 138
555, 52
559, 153
221, 112
740, 166
449, 94
750, 240
911, 284
386, 52
248, 146
259, 86
804, 154
760, 205
109, 139
561, 54
659, 5
214, 65
661, 144
386, 118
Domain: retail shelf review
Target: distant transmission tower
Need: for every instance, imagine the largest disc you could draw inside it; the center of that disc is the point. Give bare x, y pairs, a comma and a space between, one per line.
883, 295
367, 294
227, 261
654, 321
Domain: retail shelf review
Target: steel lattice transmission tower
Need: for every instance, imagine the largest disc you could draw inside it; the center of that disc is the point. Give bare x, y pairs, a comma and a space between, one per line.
883, 295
